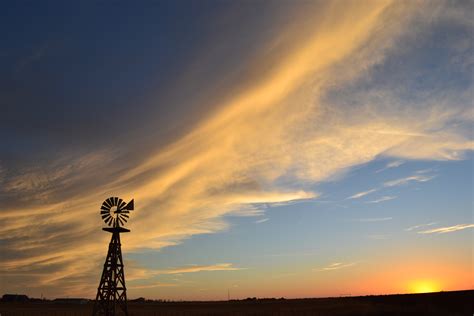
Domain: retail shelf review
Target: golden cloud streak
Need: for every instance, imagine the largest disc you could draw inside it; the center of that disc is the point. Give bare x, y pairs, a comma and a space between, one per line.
449, 229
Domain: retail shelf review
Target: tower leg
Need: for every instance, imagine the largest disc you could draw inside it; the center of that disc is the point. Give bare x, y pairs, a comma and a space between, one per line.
111, 296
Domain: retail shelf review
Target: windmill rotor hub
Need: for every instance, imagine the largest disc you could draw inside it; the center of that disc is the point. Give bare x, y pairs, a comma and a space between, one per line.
113, 211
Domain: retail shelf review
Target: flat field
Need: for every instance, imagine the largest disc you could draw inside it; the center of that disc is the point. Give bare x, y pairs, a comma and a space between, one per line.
442, 303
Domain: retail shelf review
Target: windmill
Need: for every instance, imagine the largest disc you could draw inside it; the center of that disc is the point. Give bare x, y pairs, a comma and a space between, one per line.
111, 296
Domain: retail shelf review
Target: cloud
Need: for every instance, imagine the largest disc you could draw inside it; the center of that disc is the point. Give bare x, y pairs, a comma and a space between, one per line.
420, 226
249, 211
382, 199
199, 268
151, 286
361, 194
139, 274
419, 176
402, 181
449, 229
422, 171
337, 266
267, 139
395, 164
263, 220
392, 164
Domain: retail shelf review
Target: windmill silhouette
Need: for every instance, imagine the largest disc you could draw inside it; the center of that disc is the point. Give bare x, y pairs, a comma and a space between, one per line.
111, 296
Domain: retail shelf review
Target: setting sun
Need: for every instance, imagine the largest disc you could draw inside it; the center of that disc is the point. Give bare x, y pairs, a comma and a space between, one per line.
424, 286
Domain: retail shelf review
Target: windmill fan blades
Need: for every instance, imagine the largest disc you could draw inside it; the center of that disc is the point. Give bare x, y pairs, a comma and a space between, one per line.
125, 208
121, 204
106, 204
121, 221
114, 211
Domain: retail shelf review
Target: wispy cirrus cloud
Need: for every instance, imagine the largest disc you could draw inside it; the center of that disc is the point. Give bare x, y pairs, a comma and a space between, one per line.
448, 229
151, 285
423, 171
263, 220
419, 176
382, 199
393, 183
336, 266
199, 268
420, 226
361, 194
413, 178
137, 273
390, 165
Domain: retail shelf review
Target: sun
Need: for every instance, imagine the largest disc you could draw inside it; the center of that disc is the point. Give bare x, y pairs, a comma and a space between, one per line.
424, 286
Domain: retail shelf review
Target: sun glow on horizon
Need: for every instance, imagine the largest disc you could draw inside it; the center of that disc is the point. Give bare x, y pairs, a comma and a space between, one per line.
424, 286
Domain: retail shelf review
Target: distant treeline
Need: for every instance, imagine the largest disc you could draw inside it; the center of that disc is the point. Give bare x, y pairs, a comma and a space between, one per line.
24, 298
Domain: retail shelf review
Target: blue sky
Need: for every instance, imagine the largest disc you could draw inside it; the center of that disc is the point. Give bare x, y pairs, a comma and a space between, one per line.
334, 228
273, 149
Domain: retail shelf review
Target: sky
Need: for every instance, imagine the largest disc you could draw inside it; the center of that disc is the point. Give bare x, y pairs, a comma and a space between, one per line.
273, 148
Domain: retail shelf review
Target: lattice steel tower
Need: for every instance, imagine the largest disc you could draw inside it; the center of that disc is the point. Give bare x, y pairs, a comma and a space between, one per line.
111, 296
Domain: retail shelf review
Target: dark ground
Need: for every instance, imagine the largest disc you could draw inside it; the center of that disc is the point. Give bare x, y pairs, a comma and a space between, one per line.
442, 303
